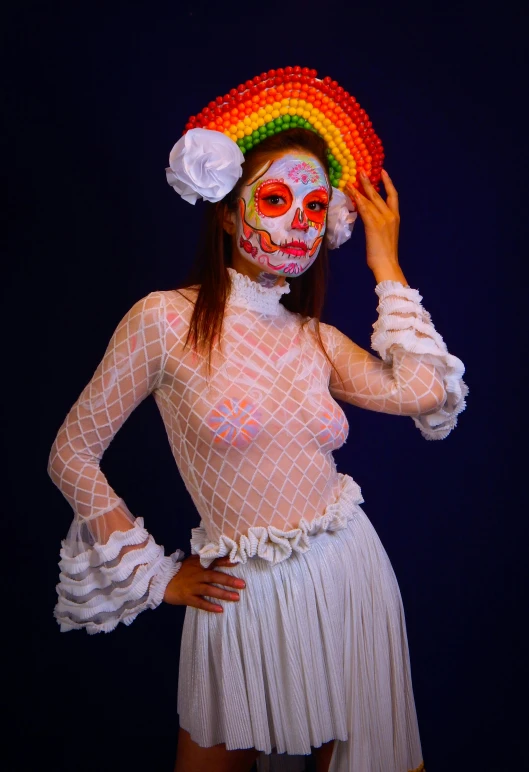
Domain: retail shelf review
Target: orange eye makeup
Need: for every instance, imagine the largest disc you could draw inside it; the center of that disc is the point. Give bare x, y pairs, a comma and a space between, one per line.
273, 198
315, 205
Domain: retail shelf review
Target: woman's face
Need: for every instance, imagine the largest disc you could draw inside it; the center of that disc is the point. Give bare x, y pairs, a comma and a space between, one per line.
282, 214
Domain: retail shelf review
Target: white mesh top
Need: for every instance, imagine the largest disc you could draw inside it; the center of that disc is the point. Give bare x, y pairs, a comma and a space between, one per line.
253, 441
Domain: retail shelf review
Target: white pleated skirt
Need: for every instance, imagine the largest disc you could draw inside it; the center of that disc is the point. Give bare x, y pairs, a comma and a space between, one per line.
314, 650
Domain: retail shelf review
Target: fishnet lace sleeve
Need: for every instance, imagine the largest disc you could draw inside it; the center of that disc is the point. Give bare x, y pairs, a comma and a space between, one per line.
111, 567
416, 376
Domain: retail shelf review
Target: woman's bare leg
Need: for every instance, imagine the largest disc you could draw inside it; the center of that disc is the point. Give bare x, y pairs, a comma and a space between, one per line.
323, 756
191, 757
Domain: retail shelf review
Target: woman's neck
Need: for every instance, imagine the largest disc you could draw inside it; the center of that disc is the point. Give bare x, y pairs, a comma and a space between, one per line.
255, 273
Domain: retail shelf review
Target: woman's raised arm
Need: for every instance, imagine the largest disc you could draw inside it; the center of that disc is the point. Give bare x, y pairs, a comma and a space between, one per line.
111, 567
416, 376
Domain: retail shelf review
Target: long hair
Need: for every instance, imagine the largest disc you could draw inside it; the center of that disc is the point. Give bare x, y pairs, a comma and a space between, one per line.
208, 273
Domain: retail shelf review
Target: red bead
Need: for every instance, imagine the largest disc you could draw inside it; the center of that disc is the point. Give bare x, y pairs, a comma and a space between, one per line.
211, 105
218, 111
189, 125
219, 100
264, 76
280, 71
326, 80
313, 73
289, 70
192, 119
271, 73
254, 90
334, 83
278, 81
297, 69
339, 90
257, 79
233, 92
305, 70
241, 87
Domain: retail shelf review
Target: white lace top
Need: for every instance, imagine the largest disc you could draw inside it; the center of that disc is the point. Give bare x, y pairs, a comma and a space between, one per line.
253, 441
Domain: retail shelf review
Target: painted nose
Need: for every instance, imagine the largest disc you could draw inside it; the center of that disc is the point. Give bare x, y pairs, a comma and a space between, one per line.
300, 221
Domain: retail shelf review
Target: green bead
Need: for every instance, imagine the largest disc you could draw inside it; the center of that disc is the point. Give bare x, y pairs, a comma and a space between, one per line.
287, 118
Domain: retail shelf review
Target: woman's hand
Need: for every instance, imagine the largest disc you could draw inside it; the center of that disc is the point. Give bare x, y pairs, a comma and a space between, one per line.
192, 582
381, 222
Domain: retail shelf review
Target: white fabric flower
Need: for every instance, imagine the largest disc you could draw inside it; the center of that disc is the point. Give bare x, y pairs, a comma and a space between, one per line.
204, 164
340, 219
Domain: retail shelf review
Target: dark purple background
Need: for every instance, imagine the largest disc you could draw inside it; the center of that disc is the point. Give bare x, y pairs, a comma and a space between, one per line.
96, 96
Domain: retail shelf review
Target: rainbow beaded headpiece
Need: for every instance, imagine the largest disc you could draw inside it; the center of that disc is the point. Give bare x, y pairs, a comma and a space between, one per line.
206, 161
294, 96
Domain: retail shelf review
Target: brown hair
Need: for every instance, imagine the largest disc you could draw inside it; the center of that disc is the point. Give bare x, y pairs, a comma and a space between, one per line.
307, 291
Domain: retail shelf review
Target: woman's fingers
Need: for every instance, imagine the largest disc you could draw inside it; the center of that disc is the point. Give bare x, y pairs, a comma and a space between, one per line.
371, 194
392, 196
216, 592
225, 561
218, 577
206, 605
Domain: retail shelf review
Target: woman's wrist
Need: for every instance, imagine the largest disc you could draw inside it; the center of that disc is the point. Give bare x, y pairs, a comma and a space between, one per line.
389, 272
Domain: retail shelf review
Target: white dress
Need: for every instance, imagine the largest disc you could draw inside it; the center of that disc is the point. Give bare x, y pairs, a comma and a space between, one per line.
316, 647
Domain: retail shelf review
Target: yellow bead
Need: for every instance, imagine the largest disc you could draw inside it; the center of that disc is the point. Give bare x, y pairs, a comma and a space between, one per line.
275, 113
267, 117
261, 111
248, 130
285, 101
246, 120
240, 134
292, 110
345, 169
326, 122
341, 184
293, 102
254, 125
276, 105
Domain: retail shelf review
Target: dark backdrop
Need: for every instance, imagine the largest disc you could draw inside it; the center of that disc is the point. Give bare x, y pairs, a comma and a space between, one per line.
96, 96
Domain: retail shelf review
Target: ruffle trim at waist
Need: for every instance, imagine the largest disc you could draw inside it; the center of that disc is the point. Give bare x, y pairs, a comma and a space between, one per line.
274, 544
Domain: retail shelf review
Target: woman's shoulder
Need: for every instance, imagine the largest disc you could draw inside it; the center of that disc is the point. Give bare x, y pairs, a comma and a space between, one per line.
172, 300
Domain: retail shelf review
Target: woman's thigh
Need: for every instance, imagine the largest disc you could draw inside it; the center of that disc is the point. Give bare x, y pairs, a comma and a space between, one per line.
191, 757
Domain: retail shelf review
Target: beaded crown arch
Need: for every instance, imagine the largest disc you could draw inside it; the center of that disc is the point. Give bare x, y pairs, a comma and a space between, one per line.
295, 97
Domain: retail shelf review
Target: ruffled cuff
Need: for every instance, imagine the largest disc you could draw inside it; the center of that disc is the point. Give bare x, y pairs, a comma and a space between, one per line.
97, 589
403, 322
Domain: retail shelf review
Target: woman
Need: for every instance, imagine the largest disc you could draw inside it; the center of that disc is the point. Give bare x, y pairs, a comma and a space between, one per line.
294, 637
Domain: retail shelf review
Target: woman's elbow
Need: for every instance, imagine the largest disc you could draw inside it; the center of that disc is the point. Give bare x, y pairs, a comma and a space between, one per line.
433, 401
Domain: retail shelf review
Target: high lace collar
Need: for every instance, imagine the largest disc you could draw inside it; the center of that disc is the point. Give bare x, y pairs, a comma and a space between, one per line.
246, 293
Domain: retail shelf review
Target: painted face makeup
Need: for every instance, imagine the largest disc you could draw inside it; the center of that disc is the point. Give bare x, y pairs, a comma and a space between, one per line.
282, 215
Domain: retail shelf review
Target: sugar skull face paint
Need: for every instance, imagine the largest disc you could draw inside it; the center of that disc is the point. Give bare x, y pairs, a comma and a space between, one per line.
282, 214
